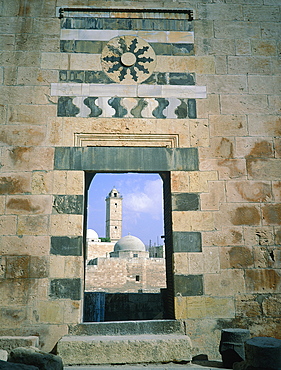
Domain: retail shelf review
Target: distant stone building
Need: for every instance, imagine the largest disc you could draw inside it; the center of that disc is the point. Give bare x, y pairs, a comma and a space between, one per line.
123, 267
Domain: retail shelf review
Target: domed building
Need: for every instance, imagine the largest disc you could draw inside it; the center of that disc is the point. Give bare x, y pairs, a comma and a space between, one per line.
129, 247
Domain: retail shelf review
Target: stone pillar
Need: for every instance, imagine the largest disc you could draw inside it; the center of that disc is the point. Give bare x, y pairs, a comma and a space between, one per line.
232, 346
263, 353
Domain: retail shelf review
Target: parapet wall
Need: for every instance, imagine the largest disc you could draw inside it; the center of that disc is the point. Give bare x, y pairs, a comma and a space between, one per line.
207, 119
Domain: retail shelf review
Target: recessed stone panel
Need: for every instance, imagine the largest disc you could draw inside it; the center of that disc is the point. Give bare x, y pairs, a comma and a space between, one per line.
65, 289
188, 285
66, 246
184, 241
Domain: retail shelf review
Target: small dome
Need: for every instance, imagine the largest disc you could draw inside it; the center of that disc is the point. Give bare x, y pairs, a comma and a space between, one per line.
129, 243
92, 235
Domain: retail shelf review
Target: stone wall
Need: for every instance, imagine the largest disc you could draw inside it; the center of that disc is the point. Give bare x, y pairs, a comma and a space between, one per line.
218, 93
126, 275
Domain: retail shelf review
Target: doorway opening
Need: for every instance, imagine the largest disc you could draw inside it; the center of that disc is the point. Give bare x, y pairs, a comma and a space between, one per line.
127, 216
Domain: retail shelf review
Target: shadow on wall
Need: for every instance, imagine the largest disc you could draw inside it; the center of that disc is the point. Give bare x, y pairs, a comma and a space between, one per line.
101, 306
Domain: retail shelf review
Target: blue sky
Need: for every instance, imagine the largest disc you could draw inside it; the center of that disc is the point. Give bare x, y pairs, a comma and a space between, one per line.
142, 204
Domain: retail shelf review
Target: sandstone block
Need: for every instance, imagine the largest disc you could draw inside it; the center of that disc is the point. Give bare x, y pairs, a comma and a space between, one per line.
260, 168
264, 125
211, 258
243, 47
221, 11
224, 237
249, 64
73, 267
271, 214
254, 147
251, 191
25, 245
23, 135
192, 221
277, 147
8, 225
229, 30
179, 181
199, 180
221, 64
272, 306
236, 257
264, 84
209, 307
256, 13
50, 312
226, 283
195, 263
29, 204
241, 214
42, 182
234, 104
228, 125
27, 159
262, 281
54, 61
247, 306
199, 133
72, 312
62, 224
213, 199
88, 61
75, 182
35, 76
259, 236
180, 263
11, 183
207, 106
227, 168
267, 257
33, 225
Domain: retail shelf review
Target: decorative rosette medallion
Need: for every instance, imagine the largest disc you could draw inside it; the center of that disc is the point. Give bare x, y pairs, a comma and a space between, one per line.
128, 59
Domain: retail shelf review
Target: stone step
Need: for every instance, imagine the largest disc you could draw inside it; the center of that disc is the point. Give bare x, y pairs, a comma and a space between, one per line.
128, 327
124, 349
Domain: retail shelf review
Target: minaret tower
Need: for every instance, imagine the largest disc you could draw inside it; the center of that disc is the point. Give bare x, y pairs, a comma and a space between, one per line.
114, 215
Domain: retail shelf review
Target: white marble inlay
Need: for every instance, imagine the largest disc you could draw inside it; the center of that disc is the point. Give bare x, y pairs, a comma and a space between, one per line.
149, 36
84, 110
169, 111
147, 111
146, 91
107, 110
180, 91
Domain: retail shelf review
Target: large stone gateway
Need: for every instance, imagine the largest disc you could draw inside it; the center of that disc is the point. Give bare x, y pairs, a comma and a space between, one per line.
189, 90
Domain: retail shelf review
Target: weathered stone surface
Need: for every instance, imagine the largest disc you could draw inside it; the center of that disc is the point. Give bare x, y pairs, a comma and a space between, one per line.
263, 352
10, 342
188, 285
3, 355
4, 365
66, 246
185, 202
187, 242
232, 345
65, 288
124, 349
262, 281
33, 356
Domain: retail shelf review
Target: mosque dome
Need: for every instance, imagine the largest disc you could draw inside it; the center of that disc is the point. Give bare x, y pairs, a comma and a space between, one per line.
92, 235
129, 243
